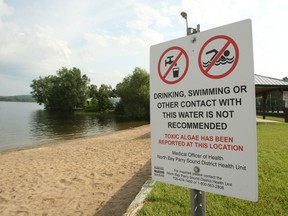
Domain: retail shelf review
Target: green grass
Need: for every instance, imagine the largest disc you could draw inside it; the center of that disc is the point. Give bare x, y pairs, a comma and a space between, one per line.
166, 199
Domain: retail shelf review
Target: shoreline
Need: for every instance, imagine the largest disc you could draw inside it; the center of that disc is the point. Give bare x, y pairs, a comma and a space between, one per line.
61, 140
91, 175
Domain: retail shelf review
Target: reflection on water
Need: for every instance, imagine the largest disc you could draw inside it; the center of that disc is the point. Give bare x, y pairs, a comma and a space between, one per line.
27, 125
47, 126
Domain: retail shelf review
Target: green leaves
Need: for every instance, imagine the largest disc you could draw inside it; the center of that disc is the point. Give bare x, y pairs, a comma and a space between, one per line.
63, 92
134, 93
69, 89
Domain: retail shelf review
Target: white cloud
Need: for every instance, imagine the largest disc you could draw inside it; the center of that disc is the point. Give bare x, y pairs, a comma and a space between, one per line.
108, 59
26, 54
34, 50
268, 27
269, 34
107, 41
210, 13
150, 37
147, 17
5, 10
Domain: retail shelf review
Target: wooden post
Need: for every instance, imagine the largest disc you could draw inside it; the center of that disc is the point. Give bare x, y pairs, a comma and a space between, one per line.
264, 99
286, 115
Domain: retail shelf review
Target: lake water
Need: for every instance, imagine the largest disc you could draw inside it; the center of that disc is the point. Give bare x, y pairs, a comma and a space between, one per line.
28, 124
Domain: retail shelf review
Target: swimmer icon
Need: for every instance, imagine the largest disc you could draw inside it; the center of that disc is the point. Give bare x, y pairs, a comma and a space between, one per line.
218, 57
221, 61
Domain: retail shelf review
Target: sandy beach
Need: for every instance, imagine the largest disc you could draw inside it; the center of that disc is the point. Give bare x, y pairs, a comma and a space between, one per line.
98, 175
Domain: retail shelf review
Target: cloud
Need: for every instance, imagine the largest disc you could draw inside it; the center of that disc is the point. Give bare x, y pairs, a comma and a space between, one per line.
5, 10
37, 50
269, 33
108, 41
210, 13
107, 59
269, 36
27, 54
33, 51
147, 17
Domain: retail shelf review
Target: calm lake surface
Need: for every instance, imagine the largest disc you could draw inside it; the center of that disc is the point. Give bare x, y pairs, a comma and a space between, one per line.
28, 124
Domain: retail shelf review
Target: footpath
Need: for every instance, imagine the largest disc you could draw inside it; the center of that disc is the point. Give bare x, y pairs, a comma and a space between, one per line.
265, 120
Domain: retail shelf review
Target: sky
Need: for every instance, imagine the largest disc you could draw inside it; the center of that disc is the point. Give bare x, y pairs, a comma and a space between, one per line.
106, 40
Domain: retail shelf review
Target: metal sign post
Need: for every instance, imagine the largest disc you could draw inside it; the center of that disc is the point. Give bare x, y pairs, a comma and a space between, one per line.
198, 204
198, 201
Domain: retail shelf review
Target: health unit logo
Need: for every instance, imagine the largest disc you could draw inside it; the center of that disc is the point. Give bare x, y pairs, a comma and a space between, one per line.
218, 57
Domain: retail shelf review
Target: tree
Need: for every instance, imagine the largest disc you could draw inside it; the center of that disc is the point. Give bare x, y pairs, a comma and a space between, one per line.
134, 94
63, 92
285, 78
103, 98
100, 98
92, 91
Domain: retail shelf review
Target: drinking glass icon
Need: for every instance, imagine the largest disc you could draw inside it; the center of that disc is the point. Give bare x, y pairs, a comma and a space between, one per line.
175, 72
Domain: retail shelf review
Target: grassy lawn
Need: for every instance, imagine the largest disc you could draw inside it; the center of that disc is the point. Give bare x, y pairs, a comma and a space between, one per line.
166, 199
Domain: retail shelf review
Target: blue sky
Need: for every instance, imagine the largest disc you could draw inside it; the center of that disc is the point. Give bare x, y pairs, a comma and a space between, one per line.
106, 40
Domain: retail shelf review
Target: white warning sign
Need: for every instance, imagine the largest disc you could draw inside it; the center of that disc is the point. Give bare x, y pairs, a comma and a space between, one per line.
203, 116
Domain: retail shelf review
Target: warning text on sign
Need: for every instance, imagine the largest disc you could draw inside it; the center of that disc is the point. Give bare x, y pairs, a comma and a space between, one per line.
196, 114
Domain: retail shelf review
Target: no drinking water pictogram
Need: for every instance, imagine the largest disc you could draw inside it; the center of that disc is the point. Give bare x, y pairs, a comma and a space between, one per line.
218, 57
173, 65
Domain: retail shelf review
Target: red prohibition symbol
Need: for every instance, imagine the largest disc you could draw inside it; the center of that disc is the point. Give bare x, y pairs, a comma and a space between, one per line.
219, 58
176, 64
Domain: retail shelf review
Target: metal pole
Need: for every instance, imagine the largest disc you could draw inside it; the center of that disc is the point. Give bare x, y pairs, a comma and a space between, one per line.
198, 201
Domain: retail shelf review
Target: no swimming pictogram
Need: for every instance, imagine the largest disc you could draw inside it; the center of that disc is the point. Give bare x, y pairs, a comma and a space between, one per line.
173, 65
218, 57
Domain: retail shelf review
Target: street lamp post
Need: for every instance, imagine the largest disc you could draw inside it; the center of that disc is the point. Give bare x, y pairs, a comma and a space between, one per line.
189, 30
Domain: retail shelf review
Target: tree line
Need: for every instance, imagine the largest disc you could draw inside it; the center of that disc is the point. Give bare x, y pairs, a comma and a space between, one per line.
18, 98
69, 90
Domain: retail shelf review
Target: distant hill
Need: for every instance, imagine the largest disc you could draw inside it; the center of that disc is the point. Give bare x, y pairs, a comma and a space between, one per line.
18, 98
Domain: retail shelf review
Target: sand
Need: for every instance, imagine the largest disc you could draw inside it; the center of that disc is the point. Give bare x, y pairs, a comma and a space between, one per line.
98, 175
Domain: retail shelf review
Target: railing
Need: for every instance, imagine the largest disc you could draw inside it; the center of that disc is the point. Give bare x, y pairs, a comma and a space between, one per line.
271, 109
